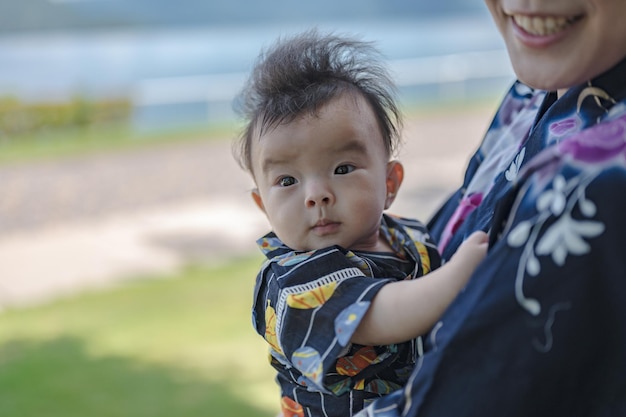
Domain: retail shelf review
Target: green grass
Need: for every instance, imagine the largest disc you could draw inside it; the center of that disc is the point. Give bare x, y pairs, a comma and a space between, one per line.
180, 345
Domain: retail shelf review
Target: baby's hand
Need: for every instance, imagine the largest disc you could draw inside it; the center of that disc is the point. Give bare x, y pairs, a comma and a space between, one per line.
472, 251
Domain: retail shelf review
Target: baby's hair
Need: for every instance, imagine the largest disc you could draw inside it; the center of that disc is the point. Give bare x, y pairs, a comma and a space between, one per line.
302, 73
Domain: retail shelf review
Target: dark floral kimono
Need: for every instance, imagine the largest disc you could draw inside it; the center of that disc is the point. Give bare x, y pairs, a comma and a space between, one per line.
540, 329
308, 305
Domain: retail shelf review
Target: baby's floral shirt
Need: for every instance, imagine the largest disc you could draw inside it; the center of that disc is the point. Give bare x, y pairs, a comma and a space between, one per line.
307, 306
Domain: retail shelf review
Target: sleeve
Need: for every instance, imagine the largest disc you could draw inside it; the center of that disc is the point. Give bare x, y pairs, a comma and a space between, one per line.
540, 328
307, 307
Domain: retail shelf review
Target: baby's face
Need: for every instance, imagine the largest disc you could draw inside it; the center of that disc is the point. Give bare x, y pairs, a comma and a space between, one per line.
322, 178
558, 44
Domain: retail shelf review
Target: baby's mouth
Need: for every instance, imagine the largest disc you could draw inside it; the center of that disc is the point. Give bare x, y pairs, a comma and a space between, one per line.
544, 25
325, 226
324, 222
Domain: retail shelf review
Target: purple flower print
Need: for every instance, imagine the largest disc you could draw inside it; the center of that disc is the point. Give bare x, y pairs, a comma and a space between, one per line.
565, 126
603, 142
465, 208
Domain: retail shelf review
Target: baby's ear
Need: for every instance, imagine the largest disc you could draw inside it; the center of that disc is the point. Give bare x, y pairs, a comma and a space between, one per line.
257, 199
395, 175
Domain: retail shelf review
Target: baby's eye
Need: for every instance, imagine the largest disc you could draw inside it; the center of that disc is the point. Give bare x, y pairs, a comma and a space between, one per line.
344, 169
286, 181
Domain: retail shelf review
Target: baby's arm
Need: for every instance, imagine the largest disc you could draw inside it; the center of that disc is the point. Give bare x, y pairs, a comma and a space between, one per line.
404, 310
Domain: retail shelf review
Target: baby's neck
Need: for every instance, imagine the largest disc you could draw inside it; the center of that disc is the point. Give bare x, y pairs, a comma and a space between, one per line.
381, 246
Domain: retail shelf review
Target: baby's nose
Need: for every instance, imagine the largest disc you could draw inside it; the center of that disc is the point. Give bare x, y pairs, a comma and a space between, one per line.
319, 193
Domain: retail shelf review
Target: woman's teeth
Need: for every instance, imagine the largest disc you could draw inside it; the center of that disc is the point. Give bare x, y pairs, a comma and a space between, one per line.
542, 26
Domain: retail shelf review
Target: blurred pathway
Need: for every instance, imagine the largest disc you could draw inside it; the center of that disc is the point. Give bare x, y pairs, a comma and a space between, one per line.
80, 224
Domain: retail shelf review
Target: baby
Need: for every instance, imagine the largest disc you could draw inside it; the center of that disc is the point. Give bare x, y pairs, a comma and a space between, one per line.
338, 299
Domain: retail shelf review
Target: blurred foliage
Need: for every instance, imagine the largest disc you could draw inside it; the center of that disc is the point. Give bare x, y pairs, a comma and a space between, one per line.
18, 119
114, 137
30, 132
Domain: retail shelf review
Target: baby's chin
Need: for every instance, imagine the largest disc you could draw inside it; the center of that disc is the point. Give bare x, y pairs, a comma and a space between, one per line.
316, 247
373, 245
313, 246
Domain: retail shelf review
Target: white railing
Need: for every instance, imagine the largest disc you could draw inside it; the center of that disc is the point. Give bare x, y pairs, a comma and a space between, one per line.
441, 69
451, 68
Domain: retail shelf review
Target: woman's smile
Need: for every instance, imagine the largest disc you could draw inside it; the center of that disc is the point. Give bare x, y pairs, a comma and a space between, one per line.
541, 31
543, 25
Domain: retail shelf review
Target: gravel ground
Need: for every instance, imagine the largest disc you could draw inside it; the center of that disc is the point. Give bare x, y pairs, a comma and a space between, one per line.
35, 195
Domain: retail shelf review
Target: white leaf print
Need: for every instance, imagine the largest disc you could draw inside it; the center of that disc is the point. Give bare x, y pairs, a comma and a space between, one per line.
511, 173
559, 183
533, 267
567, 236
588, 208
558, 204
554, 199
544, 201
514, 168
552, 238
589, 228
559, 254
519, 235
581, 229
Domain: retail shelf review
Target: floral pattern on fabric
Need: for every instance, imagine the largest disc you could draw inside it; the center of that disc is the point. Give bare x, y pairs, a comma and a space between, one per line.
308, 305
539, 329
502, 151
467, 205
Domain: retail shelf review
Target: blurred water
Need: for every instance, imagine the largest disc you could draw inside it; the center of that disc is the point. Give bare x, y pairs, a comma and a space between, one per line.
189, 75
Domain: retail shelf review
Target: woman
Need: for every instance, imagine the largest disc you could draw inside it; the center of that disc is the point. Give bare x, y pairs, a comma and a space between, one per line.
539, 330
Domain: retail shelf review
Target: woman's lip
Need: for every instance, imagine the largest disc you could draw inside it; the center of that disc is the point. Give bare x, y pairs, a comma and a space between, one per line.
541, 31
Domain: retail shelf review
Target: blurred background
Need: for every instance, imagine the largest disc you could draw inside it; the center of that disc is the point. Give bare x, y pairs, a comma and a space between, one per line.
164, 64
127, 254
